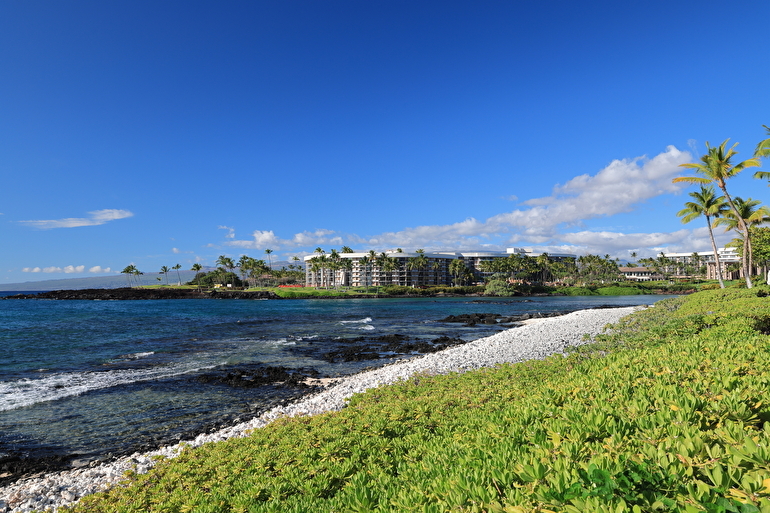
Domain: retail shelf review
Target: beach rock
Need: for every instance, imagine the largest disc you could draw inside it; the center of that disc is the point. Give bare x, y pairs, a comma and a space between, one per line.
260, 376
533, 341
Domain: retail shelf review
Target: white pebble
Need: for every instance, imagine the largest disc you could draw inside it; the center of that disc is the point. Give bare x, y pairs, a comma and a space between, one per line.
537, 340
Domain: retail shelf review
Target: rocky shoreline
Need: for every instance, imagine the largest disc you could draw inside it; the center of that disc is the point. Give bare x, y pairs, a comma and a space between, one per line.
294, 384
532, 341
139, 293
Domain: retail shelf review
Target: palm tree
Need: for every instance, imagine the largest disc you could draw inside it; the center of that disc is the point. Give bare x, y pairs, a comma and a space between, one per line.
178, 276
751, 214
334, 262
717, 167
269, 252
137, 273
197, 267
386, 265
763, 150
315, 267
373, 263
436, 268
544, 266
257, 268
226, 264
419, 262
708, 205
346, 249
244, 264
128, 271
457, 269
364, 264
165, 270
321, 264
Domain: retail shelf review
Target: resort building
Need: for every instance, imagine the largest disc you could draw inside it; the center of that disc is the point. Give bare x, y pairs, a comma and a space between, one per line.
640, 274
727, 256
396, 267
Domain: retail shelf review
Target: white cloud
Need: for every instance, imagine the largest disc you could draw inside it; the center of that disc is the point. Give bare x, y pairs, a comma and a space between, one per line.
96, 217
618, 188
69, 269
264, 239
99, 269
230, 230
175, 251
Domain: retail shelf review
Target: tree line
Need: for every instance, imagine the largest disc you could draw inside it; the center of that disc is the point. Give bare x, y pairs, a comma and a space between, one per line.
249, 271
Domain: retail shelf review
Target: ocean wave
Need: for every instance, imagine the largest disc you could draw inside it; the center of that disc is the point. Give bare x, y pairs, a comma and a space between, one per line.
359, 321
366, 327
133, 356
281, 342
26, 392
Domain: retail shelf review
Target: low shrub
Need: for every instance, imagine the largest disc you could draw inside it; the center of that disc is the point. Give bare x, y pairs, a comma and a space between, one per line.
576, 291
619, 291
668, 412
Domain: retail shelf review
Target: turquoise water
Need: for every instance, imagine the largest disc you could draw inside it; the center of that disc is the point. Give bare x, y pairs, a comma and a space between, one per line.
98, 377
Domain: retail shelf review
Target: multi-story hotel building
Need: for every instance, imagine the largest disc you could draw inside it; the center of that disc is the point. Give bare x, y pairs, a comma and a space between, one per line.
364, 269
727, 256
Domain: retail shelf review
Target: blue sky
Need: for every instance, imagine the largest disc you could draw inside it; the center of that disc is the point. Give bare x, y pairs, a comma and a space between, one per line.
157, 133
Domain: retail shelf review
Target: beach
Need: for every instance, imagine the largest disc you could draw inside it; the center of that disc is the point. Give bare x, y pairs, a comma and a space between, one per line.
532, 340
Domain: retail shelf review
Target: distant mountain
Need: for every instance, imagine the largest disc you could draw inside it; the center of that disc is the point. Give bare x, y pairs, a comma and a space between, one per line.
97, 282
110, 282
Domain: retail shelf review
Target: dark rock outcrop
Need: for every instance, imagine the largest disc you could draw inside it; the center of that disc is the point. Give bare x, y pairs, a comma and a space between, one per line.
491, 318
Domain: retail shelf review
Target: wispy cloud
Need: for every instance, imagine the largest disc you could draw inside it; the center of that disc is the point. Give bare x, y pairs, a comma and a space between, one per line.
620, 187
68, 269
230, 231
95, 218
264, 239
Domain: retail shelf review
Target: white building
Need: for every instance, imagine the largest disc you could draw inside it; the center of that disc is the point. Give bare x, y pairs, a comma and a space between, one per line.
727, 256
370, 269
640, 274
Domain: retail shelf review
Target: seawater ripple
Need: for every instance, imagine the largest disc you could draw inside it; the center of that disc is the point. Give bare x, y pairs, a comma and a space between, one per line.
30, 391
98, 377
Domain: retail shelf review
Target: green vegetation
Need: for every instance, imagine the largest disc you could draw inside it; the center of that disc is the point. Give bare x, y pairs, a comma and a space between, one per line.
668, 413
398, 290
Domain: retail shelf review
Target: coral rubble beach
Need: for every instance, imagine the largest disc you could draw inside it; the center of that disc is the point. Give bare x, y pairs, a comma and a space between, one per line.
536, 340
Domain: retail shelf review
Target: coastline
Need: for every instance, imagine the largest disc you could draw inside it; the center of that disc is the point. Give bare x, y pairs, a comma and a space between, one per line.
532, 340
130, 294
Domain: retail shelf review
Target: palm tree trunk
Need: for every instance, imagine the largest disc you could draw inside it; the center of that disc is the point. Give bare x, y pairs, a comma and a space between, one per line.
745, 230
716, 254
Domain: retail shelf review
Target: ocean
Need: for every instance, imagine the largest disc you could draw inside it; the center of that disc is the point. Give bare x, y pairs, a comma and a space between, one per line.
89, 380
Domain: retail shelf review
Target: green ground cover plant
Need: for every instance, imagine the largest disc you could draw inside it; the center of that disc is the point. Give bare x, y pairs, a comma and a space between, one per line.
669, 412
620, 291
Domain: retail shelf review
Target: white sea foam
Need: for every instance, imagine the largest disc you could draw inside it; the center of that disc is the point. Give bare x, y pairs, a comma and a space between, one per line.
25, 392
359, 321
532, 341
134, 356
281, 342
